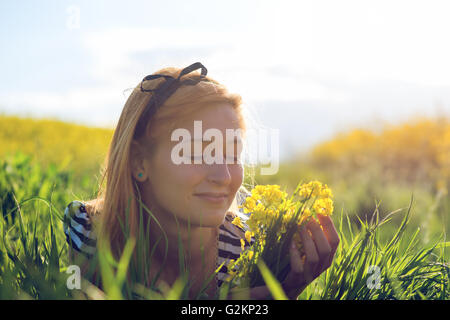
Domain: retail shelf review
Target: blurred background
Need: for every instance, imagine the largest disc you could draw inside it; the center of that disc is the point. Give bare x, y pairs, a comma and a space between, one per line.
359, 91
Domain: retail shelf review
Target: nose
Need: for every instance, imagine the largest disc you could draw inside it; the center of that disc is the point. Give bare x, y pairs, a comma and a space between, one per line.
219, 174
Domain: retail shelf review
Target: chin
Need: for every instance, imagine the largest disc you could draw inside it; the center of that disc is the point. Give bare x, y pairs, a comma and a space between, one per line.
211, 218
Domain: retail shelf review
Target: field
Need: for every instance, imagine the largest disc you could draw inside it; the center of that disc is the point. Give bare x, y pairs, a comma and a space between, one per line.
391, 208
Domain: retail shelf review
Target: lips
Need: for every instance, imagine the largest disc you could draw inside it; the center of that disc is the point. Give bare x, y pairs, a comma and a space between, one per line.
212, 197
212, 194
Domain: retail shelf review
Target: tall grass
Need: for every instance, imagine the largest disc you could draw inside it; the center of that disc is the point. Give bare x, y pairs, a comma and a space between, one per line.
34, 255
367, 268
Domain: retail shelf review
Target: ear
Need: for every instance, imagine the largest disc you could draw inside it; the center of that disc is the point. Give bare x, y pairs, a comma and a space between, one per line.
139, 169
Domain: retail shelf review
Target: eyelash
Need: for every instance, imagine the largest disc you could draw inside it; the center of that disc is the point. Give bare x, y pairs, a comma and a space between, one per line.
235, 159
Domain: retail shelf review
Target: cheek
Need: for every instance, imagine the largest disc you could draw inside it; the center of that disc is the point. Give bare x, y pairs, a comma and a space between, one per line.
237, 176
179, 179
173, 185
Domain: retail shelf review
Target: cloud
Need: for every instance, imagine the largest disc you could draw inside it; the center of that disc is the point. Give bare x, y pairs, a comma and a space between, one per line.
99, 106
121, 57
344, 59
245, 62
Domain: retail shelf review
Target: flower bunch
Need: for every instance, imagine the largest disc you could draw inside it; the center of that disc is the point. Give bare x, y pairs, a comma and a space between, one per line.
273, 221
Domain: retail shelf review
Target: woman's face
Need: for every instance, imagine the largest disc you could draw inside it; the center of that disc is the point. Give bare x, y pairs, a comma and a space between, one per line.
182, 190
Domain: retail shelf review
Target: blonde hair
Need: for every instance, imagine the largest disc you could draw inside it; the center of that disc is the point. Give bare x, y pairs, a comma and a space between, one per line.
118, 192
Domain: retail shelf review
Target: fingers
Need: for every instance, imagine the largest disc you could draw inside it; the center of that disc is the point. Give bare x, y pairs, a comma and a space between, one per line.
322, 246
296, 259
312, 258
320, 241
295, 281
259, 293
330, 232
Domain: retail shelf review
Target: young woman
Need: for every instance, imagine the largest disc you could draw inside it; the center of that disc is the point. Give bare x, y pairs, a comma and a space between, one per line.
191, 202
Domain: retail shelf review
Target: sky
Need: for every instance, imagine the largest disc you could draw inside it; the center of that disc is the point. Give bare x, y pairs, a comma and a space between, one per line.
309, 69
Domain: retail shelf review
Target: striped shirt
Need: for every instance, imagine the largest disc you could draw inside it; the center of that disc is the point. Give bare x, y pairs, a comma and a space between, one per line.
80, 235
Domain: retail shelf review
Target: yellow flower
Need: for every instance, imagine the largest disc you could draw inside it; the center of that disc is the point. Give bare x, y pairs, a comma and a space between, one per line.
249, 205
306, 213
274, 195
326, 192
271, 195
315, 189
248, 236
231, 274
323, 206
265, 206
304, 191
237, 222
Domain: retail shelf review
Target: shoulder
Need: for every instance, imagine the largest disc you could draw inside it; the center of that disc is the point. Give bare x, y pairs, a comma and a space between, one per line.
231, 244
78, 228
232, 228
230, 236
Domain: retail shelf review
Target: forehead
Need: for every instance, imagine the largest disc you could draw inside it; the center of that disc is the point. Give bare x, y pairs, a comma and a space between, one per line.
218, 116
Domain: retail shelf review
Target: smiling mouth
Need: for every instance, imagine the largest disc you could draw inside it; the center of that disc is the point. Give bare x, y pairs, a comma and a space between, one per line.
212, 197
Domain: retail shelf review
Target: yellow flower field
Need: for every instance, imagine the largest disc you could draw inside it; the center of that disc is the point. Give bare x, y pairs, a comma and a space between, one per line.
50, 141
418, 150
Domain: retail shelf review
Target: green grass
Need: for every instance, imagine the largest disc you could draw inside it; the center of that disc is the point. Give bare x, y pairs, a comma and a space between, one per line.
34, 253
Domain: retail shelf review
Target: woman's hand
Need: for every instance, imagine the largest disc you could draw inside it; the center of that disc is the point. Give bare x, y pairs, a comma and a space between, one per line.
320, 241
